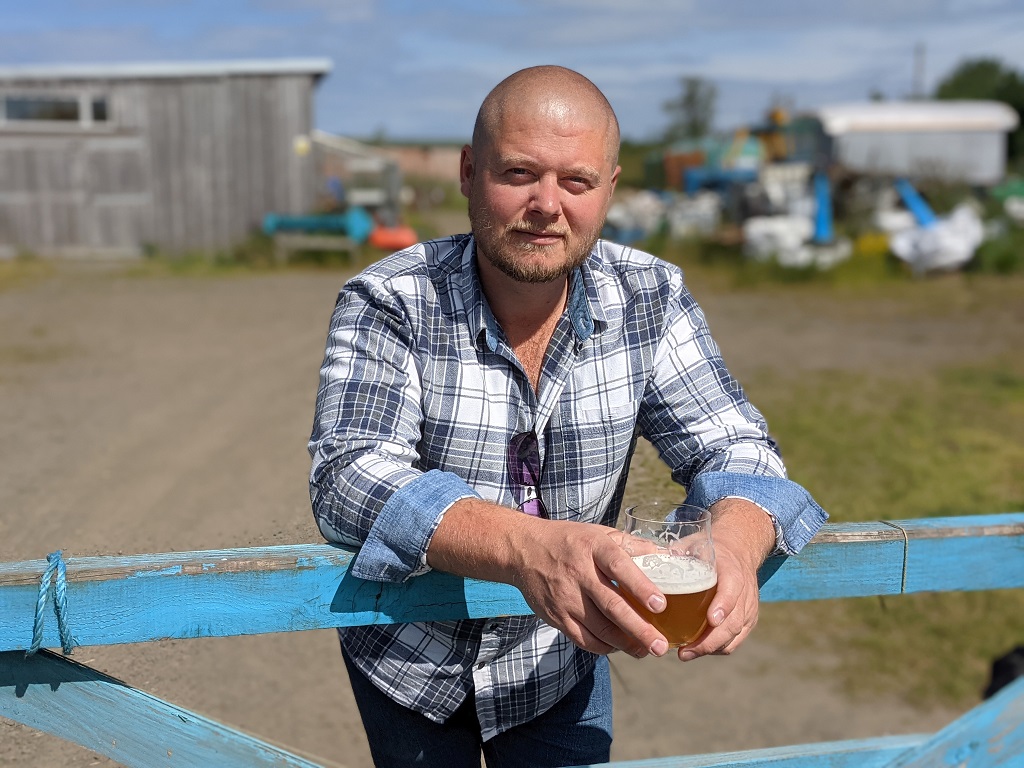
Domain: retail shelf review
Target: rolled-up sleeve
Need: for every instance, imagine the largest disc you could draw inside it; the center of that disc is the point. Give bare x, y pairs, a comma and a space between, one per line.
715, 441
365, 486
794, 512
396, 546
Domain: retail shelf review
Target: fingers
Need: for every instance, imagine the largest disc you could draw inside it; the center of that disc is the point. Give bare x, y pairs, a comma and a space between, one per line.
721, 640
630, 581
732, 614
568, 584
598, 634
587, 640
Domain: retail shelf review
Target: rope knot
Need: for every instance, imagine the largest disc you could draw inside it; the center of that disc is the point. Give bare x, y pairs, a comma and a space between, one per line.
55, 565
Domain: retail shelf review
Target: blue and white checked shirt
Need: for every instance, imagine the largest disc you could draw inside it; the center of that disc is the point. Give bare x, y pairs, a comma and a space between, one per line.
419, 395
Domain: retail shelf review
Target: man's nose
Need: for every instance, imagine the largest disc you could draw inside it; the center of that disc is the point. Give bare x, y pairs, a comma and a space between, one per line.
546, 199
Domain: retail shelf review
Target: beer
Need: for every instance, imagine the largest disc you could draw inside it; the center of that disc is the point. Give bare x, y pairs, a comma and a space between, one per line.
688, 584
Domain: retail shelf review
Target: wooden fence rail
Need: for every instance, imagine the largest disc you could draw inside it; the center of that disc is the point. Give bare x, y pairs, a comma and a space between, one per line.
141, 598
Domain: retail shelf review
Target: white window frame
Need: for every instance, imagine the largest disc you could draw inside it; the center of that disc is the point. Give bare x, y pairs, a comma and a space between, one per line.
85, 120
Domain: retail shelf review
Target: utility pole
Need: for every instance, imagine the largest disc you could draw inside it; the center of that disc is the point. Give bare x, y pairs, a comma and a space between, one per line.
918, 91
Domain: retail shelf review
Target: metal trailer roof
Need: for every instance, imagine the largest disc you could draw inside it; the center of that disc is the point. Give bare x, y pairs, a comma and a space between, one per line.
916, 116
167, 69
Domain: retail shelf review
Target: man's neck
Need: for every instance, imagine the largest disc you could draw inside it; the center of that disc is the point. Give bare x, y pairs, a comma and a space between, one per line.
521, 307
526, 312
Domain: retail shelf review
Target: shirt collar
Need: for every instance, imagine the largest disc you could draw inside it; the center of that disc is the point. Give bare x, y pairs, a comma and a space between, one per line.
583, 305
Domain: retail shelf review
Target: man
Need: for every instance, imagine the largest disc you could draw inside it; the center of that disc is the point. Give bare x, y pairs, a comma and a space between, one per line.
479, 402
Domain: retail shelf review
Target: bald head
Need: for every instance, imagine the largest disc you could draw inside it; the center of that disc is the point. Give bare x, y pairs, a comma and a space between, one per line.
550, 92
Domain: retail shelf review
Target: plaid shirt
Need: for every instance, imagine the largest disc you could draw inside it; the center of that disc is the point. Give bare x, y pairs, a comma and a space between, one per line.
419, 395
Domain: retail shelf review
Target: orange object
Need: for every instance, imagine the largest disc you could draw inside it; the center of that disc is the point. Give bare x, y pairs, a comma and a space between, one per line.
393, 238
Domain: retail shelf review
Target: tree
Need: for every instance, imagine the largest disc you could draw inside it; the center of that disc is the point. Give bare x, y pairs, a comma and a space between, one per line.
988, 79
692, 112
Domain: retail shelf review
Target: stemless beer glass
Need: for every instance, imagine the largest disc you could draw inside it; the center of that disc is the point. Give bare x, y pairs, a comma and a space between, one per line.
671, 544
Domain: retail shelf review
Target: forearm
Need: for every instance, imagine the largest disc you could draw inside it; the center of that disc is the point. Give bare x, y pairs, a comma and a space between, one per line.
745, 528
565, 570
366, 426
480, 539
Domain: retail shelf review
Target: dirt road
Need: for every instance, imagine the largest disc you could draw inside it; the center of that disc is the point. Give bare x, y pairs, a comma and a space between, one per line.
149, 414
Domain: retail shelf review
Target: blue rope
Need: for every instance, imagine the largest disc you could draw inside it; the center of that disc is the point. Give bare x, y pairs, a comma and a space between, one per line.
60, 605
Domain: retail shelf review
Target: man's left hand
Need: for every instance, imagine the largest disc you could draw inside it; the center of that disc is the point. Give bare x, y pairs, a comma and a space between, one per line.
744, 536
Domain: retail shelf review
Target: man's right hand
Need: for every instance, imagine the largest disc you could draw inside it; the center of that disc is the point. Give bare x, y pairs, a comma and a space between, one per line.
564, 570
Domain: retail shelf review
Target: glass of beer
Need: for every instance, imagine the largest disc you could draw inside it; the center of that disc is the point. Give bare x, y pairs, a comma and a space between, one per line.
671, 544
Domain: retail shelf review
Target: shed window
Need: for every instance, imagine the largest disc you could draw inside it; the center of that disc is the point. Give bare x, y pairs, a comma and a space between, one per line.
99, 110
48, 108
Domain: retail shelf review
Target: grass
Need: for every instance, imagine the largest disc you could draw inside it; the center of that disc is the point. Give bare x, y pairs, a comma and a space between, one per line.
24, 269
947, 444
874, 448
253, 256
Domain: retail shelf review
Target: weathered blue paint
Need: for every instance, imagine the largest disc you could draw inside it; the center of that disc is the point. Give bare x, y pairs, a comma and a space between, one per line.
173, 570
86, 707
218, 601
996, 563
990, 735
280, 589
273, 589
862, 753
851, 569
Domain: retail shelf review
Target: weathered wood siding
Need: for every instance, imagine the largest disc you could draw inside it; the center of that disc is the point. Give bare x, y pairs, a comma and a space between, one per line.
183, 164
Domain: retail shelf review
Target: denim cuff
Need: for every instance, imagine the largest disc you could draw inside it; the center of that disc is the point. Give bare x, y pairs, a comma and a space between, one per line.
396, 547
797, 515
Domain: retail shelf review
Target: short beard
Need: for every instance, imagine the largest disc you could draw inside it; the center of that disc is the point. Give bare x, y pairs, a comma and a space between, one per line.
496, 244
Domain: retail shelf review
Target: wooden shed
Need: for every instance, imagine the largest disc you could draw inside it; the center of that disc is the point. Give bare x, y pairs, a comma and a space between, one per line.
956, 141
188, 156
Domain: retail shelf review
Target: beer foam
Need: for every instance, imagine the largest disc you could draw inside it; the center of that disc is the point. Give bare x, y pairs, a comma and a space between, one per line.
677, 575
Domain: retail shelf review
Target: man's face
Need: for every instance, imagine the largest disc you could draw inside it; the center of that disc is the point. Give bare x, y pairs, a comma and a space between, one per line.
538, 194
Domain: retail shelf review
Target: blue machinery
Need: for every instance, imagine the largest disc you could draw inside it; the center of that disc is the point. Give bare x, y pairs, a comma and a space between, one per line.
354, 222
823, 228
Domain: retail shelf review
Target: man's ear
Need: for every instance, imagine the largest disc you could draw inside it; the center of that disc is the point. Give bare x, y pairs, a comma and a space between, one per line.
466, 170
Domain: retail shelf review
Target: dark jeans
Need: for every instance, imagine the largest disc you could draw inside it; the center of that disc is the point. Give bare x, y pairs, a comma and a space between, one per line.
575, 731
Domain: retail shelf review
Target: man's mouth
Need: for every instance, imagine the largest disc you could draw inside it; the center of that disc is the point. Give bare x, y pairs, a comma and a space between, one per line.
546, 234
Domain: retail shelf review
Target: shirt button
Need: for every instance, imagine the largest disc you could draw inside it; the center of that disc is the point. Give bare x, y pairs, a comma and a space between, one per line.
493, 626
481, 665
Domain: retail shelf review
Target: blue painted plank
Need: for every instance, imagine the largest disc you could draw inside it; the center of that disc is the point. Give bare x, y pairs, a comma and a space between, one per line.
864, 559
934, 565
822, 571
861, 753
79, 704
280, 589
235, 592
989, 736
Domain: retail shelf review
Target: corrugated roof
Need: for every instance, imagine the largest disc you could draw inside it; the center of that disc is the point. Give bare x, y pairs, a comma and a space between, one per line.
904, 116
317, 67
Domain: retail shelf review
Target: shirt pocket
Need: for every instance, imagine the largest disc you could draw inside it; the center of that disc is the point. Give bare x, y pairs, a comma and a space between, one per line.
596, 435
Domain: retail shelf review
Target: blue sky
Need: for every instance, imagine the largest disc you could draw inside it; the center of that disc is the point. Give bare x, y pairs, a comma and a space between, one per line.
418, 69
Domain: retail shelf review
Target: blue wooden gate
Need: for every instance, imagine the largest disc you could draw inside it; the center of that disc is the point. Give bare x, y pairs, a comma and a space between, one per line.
107, 600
